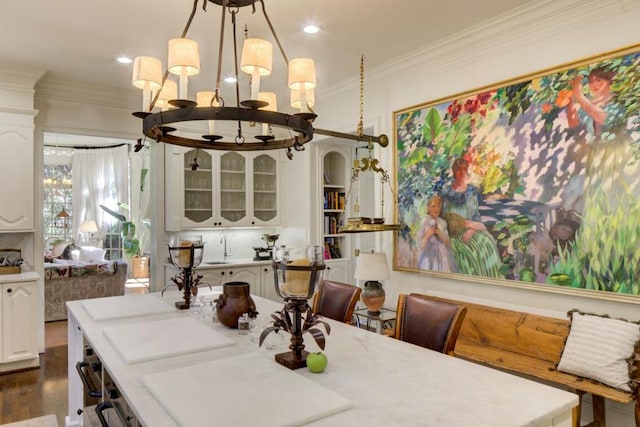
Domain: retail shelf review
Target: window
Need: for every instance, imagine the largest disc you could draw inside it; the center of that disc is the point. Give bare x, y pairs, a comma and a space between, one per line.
57, 205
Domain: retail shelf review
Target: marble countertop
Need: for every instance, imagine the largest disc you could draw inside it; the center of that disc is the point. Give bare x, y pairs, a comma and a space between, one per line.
26, 276
389, 382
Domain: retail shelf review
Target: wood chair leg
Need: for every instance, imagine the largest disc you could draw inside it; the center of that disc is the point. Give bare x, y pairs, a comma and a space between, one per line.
576, 412
637, 411
598, 411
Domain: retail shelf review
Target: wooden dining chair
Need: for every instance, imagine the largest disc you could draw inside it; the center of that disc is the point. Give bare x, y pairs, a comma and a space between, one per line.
336, 300
429, 323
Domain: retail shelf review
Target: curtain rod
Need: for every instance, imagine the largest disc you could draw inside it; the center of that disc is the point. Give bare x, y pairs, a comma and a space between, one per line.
85, 147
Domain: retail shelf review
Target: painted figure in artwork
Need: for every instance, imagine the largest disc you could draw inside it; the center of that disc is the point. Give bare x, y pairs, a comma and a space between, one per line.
598, 112
435, 251
601, 142
475, 249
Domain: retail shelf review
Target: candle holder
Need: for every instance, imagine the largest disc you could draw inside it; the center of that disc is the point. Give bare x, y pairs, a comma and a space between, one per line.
295, 281
185, 253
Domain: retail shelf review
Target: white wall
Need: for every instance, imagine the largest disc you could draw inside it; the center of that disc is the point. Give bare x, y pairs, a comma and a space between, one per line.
542, 36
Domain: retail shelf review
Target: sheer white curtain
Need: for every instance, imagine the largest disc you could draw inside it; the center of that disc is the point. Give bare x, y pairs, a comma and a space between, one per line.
100, 177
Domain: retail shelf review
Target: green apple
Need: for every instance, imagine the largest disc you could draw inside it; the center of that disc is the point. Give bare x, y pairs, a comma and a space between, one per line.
316, 362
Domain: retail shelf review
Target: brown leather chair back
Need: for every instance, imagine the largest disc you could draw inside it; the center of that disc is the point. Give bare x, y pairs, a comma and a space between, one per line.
336, 300
429, 323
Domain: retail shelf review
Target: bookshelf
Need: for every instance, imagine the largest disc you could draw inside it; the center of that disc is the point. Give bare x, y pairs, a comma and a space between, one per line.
335, 168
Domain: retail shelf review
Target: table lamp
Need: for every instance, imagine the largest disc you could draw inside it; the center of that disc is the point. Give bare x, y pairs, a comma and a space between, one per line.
372, 268
89, 227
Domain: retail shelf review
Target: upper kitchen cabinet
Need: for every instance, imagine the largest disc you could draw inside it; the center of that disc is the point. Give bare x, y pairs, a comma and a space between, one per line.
207, 188
16, 174
265, 201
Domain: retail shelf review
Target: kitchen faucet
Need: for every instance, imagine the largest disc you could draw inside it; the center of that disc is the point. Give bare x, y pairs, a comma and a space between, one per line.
223, 241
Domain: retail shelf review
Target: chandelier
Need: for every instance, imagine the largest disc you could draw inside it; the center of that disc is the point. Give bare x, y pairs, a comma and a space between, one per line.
164, 106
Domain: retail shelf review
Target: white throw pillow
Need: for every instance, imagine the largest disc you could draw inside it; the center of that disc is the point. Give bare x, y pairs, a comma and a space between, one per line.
600, 348
92, 254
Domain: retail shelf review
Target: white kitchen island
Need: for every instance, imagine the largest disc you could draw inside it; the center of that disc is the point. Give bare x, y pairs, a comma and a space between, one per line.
371, 380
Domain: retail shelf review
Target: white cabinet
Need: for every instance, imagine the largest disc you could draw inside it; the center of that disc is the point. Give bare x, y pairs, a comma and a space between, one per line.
220, 276
19, 322
16, 174
338, 271
208, 188
268, 284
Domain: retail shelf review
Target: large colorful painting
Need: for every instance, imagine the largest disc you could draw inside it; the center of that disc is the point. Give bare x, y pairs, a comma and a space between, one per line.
532, 182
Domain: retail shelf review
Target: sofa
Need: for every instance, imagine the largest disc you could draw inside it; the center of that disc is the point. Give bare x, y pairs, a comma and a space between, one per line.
74, 280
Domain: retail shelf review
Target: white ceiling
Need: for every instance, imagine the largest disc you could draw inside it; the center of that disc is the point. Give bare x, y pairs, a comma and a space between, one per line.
79, 40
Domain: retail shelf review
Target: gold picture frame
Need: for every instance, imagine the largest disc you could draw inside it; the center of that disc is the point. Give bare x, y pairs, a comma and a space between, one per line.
535, 181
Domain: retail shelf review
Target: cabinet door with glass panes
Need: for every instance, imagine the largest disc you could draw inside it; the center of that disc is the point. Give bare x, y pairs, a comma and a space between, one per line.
265, 200
232, 189
199, 201
249, 189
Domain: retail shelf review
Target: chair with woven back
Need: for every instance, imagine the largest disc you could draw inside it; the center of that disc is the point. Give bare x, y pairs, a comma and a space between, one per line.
336, 300
429, 323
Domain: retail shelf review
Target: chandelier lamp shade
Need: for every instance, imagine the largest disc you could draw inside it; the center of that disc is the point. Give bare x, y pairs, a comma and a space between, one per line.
165, 109
310, 98
257, 61
184, 61
147, 75
169, 91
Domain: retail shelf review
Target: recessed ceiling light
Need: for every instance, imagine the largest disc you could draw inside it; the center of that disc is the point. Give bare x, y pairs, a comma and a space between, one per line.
230, 79
124, 60
311, 29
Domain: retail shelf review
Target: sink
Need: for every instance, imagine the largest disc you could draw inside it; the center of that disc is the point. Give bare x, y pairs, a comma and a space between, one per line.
214, 262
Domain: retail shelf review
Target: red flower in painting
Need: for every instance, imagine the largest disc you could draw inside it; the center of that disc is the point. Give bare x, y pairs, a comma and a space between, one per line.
471, 106
454, 110
484, 97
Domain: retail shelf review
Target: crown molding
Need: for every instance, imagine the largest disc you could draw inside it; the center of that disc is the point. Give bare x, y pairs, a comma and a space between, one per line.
75, 92
19, 78
509, 31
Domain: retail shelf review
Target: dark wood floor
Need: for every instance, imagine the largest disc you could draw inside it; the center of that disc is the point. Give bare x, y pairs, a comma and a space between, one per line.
38, 392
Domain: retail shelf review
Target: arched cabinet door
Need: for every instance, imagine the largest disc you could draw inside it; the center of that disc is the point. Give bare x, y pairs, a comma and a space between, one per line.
16, 174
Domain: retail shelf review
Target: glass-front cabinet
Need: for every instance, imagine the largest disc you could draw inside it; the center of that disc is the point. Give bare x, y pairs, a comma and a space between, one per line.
207, 188
265, 189
233, 188
198, 200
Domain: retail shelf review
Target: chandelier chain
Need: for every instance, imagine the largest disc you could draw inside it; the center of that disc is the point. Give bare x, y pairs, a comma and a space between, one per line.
360, 130
239, 138
220, 49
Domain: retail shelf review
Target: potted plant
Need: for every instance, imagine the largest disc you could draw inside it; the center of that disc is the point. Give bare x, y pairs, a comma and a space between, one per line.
130, 242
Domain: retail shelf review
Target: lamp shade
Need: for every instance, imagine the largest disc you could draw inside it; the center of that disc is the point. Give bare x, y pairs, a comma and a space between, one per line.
147, 71
168, 92
372, 266
257, 56
63, 214
302, 74
88, 226
204, 98
184, 56
295, 98
272, 100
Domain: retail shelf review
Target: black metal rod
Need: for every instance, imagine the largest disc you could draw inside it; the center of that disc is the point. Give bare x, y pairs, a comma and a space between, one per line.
382, 140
